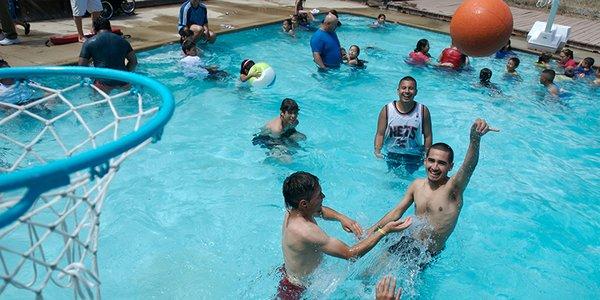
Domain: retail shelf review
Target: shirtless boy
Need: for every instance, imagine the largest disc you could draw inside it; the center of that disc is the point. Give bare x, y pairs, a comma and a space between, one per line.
439, 198
279, 134
304, 242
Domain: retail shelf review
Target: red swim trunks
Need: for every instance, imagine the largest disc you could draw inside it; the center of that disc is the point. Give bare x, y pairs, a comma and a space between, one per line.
288, 290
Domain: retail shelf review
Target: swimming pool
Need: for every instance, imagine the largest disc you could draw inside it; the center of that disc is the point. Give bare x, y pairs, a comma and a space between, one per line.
200, 213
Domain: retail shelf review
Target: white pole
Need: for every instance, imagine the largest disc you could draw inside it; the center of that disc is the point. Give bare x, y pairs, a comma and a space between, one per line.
553, 11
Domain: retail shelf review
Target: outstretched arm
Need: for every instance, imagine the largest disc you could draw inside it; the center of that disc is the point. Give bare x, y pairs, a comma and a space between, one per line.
380, 133
348, 224
337, 248
397, 211
478, 129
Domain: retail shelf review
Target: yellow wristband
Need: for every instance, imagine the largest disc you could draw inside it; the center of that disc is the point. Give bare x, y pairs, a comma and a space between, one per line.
381, 231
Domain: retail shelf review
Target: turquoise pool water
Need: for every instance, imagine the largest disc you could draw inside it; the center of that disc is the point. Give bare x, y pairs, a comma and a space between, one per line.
199, 214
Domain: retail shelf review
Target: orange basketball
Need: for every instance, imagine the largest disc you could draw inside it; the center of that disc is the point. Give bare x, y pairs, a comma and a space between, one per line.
481, 27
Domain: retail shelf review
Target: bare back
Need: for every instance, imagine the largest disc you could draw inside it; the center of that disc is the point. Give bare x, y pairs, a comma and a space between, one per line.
301, 255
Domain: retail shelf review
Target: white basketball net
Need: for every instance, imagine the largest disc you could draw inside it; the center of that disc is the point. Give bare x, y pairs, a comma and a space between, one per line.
53, 246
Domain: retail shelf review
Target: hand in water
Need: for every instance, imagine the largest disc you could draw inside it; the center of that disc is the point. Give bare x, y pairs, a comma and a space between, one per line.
378, 155
350, 225
386, 289
398, 225
480, 128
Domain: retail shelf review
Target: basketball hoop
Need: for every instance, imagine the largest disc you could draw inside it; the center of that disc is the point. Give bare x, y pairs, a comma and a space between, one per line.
63, 140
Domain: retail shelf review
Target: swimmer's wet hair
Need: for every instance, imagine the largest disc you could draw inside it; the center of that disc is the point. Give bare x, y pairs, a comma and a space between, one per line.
443, 147
298, 186
549, 74
101, 24
570, 73
289, 105
381, 15
407, 78
187, 45
421, 45
590, 61
544, 58
516, 60
357, 49
485, 75
568, 53
246, 65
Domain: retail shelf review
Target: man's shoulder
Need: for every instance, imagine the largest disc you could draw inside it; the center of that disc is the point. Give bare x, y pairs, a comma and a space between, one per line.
304, 230
418, 182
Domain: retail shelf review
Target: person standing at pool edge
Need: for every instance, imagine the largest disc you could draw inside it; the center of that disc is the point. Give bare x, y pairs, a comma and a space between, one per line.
304, 242
438, 198
325, 44
404, 128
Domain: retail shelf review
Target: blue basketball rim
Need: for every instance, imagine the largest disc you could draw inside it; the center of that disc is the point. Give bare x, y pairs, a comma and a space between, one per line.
42, 178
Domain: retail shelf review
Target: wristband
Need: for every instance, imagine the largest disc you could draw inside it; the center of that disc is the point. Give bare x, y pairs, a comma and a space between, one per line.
381, 231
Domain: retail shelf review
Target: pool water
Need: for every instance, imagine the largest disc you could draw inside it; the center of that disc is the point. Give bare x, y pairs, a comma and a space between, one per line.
199, 214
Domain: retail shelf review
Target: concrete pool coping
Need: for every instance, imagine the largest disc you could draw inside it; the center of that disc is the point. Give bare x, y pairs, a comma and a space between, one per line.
153, 27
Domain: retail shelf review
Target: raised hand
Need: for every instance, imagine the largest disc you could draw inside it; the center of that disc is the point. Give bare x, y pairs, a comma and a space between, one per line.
350, 225
386, 289
480, 127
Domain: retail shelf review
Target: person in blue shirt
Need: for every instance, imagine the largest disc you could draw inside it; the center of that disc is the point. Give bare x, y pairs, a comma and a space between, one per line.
325, 44
193, 16
506, 51
585, 68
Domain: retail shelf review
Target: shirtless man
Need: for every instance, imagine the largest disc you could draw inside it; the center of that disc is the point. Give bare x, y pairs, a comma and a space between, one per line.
304, 243
439, 198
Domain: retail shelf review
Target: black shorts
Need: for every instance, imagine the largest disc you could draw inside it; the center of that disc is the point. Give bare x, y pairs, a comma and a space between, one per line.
409, 162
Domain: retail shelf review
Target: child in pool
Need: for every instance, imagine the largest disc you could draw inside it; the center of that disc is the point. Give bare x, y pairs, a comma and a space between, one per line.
193, 66
544, 60
547, 80
567, 76
511, 66
485, 76
421, 53
245, 72
585, 68
287, 26
353, 60
566, 59
380, 22
280, 135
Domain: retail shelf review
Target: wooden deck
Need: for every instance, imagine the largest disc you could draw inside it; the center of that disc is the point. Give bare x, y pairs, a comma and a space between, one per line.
585, 33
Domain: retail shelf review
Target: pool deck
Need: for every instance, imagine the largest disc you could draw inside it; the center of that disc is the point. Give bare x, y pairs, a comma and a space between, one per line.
585, 33
154, 26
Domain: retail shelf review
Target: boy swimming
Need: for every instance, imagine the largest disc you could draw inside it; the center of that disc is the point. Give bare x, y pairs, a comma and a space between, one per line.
280, 135
511, 66
380, 22
547, 80
193, 66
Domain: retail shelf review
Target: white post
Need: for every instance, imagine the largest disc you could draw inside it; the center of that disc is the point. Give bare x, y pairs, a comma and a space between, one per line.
553, 11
